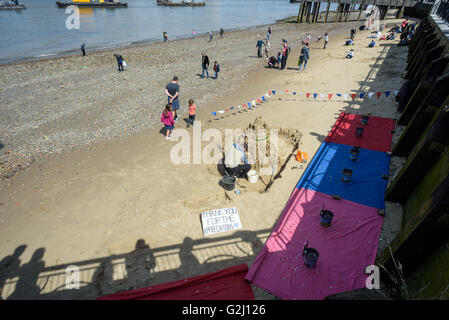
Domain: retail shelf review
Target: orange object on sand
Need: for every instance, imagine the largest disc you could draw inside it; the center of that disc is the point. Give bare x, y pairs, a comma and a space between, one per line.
301, 156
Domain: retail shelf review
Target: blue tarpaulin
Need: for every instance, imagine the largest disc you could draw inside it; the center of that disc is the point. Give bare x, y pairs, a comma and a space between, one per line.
325, 171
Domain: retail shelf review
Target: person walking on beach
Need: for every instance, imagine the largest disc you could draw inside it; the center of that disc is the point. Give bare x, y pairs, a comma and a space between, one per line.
167, 120
326, 40
193, 34
269, 33
205, 64
259, 45
267, 49
192, 112
83, 49
221, 32
216, 69
285, 52
119, 61
303, 57
172, 91
279, 60
165, 35
211, 36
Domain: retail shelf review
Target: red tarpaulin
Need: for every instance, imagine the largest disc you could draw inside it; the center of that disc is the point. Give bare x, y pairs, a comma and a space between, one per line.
377, 134
226, 284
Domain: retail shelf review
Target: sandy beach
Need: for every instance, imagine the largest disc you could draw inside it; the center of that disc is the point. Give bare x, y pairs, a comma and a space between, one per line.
97, 188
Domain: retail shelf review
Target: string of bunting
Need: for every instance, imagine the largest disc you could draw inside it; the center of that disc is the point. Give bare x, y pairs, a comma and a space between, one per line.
308, 96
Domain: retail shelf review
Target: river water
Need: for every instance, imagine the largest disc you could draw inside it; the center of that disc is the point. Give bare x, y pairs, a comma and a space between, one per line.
40, 30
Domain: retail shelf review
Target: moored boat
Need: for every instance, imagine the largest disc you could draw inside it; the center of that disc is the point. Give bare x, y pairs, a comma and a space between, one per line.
180, 4
14, 5
92, 4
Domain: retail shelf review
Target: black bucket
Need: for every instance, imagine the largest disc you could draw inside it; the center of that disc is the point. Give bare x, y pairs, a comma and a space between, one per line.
364, 120
310, 257
359, 131
228, 182
347, 174
354, 155
326, 218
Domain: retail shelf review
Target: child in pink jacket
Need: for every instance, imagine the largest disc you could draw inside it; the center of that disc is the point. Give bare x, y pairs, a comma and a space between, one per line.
167, 120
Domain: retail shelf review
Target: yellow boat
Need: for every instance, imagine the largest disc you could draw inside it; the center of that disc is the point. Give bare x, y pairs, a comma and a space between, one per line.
92, 4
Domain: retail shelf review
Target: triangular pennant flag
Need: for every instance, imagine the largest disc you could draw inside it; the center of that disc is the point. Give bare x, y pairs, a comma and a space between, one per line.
253, 103
345, 96
214, 113
361, 95
239, 106
294, 93
274, 92
286, 90
330, 95
322, 95
249, 105
387, 93
258, 100
378, 94
221, 111
315, 95
338, 94
370, 94
395, 92
263, 98
307, 95
270, 92
232, 108
353, 95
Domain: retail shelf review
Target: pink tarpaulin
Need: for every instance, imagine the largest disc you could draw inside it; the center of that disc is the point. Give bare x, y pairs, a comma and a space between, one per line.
345, 249
377, 134
226, 284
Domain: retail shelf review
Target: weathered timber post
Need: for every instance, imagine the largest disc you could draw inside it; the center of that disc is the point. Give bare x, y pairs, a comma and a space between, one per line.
423, 116
300, 12
337, 12
360, 10
435, 69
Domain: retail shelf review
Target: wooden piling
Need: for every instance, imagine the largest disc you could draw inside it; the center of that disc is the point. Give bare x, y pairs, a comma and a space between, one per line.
327, 10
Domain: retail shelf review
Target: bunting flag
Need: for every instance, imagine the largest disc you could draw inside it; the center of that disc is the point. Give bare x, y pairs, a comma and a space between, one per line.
259, 101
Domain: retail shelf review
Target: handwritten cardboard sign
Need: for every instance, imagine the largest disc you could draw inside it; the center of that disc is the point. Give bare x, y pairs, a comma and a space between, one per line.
220, 220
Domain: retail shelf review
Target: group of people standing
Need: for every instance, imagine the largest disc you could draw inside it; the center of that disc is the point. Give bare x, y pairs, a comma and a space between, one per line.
170, 114
205, 66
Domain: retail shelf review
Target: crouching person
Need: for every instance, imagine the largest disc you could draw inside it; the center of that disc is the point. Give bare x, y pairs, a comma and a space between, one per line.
235, 161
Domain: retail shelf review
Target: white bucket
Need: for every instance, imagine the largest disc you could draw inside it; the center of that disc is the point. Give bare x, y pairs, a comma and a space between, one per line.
252, 176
